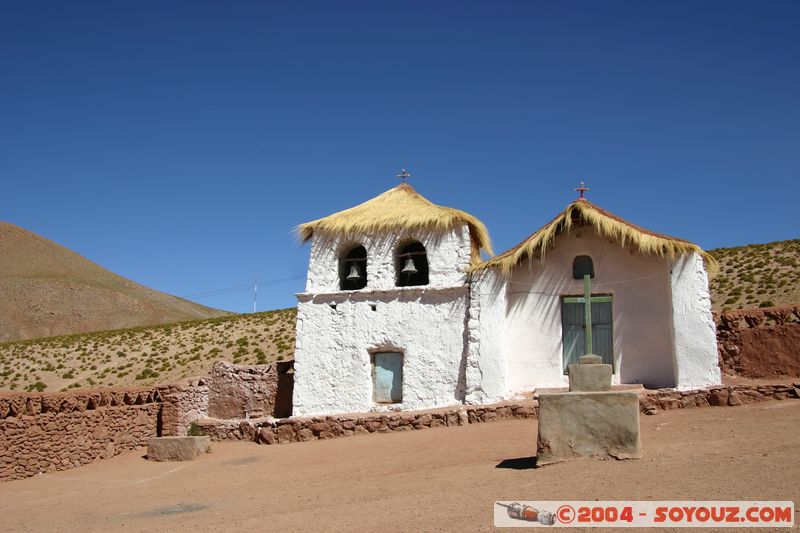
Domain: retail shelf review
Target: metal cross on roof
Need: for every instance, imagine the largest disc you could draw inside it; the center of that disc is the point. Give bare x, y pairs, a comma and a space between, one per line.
403, 175
582, 189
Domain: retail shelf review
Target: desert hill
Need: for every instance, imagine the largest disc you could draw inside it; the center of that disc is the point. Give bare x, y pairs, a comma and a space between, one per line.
47, 289
146, 356
749, 276
757, 275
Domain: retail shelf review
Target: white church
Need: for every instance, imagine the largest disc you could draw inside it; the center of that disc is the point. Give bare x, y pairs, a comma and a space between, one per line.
400, 312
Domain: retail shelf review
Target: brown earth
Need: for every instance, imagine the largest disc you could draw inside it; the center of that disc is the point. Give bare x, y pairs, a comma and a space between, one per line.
434, 480
47, 289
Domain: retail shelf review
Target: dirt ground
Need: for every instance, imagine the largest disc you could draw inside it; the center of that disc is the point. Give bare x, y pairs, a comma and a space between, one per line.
443, 479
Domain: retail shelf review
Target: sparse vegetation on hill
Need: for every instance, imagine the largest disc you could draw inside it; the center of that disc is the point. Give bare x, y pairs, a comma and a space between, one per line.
757, 275
157, 354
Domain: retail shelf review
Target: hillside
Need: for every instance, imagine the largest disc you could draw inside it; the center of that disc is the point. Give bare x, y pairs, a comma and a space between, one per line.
145, 356
757, 275
47, 289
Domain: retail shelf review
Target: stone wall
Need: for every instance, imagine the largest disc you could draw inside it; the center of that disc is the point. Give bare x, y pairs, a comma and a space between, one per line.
43, 432
242, 391
732, 396
59, 431
760, 343
300, 429
182, 405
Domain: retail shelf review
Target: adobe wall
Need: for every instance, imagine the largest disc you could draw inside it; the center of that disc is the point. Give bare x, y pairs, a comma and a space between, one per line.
643, 318
44, 432
760, 343
242, 391
181, 405
338, 331
300, 429
59, 431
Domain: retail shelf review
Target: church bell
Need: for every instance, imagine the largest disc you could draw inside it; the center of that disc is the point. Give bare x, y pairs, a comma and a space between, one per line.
409, 267
353, 275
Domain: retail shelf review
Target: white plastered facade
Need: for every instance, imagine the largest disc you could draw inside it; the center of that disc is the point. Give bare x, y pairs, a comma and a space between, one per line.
338, 331
485, 337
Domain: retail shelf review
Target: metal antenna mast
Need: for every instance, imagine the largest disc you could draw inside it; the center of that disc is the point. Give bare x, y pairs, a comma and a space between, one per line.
255, 287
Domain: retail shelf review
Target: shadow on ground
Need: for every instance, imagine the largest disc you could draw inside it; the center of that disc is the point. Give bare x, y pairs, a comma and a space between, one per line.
519, 463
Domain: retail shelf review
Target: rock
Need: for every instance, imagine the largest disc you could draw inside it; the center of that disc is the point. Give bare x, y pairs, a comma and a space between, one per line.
284, 434
176, 448
423, 420
734, 399
435, 423
718, 397
319, 427
305, 435
650, 410
688, 402
248, 430
488, 416
525, 412
463, 419
267, 436
701, 401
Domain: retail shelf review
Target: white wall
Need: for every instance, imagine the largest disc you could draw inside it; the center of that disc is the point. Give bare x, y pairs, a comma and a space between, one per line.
332, 358
486, 363
693, 325
642, 323
426, 323
449, 255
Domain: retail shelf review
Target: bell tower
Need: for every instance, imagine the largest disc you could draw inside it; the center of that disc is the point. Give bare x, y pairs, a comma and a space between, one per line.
380, 324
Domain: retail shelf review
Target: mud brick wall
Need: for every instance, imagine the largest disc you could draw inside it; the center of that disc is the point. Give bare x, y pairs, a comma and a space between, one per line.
300, 429
59, 431
732, 396
182, 405
760, 343
303, 429
242, 391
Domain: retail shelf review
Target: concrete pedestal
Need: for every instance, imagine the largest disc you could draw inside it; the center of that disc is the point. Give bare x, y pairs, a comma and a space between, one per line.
588, 424
176, 448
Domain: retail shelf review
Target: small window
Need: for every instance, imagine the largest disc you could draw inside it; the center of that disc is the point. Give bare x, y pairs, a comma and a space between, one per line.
387, 377
581, 266
412, 265
353, 269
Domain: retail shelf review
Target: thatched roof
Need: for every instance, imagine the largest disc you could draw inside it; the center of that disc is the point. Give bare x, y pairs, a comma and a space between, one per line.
583, 212
399, 209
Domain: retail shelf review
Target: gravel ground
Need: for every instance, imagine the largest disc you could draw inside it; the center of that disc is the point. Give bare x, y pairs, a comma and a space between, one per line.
442, 479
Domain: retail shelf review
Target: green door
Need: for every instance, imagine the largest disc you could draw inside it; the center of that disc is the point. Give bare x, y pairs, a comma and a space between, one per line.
573, 329
387, 376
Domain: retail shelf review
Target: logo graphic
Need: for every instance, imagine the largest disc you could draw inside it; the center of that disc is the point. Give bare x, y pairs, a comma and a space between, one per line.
527, 513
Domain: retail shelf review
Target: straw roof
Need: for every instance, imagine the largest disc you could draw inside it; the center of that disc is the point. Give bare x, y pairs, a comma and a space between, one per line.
399, 209
583, 212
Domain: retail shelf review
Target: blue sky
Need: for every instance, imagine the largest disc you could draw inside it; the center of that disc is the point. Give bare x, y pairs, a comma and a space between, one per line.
177, 143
